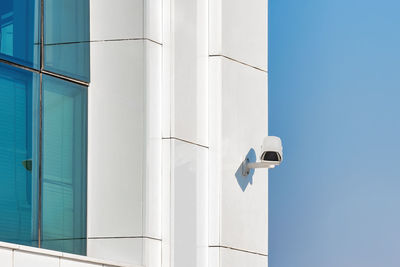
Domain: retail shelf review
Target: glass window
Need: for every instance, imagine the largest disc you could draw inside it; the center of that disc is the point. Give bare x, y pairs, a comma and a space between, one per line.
44, 206
19, 136
64, 165
66, 38
20, 32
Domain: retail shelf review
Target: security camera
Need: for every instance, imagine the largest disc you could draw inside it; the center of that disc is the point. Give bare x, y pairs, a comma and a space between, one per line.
271, 155
272, 149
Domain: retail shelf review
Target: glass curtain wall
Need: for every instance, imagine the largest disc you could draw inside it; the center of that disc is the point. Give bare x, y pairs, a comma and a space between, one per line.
43, 123
20, 32
66, 38
19, 136
64, 165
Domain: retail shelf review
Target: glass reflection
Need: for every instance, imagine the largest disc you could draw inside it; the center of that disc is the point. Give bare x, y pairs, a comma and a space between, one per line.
64, 106
64, 166
20, 32
19, 102
66, 38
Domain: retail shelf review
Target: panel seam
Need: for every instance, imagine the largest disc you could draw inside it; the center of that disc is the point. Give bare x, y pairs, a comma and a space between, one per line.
125, 237
238, 61
186, 141
241, 250
106, 40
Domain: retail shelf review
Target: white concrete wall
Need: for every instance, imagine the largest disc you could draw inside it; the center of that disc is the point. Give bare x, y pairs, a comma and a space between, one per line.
12, 255
185, 132
177, 98
238, 99
231, 90
124, 147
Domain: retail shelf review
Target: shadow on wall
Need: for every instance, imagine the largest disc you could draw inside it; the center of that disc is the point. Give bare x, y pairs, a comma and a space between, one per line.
244, 181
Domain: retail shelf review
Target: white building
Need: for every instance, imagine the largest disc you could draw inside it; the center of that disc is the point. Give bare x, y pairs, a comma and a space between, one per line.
177, 98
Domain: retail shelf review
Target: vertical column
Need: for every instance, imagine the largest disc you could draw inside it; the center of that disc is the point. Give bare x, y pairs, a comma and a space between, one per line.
124, 162
185, 133
238, 210
152, 186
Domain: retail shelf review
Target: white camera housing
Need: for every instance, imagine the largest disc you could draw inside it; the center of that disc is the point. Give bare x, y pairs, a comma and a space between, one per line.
271, 155
272, 149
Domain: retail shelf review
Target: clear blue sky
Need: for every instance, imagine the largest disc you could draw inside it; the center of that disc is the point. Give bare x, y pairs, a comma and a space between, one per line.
334, 99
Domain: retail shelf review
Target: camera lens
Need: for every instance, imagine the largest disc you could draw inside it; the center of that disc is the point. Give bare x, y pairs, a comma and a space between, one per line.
271, 156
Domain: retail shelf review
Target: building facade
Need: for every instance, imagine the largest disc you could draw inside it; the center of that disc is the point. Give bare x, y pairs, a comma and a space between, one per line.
139, 114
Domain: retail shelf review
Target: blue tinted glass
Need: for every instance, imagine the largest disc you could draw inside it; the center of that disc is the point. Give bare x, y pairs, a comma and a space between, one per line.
19, 102
64, 166
19, 31
66, 38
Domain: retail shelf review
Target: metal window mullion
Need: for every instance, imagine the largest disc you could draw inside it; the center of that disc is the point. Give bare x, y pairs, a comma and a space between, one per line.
40, 208
49, 73
40, 159
41, 35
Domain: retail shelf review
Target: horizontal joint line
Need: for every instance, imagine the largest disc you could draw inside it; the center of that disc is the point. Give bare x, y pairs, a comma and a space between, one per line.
19, 66
183, 140
240, 62
105, 40
150, 40
125, 237
241, 250
65, 78
127, 39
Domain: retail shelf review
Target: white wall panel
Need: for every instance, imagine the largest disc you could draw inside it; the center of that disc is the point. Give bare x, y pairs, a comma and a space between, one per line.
215, 85
153, 20
72, 263
152, 253
153, 160
116, 19
239, 107
189, 204
189, 112
124, 149
233, 258
166, 202
26, 259
213, 257
238, 29
116, 139
6, 257
125, 250
12, 255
